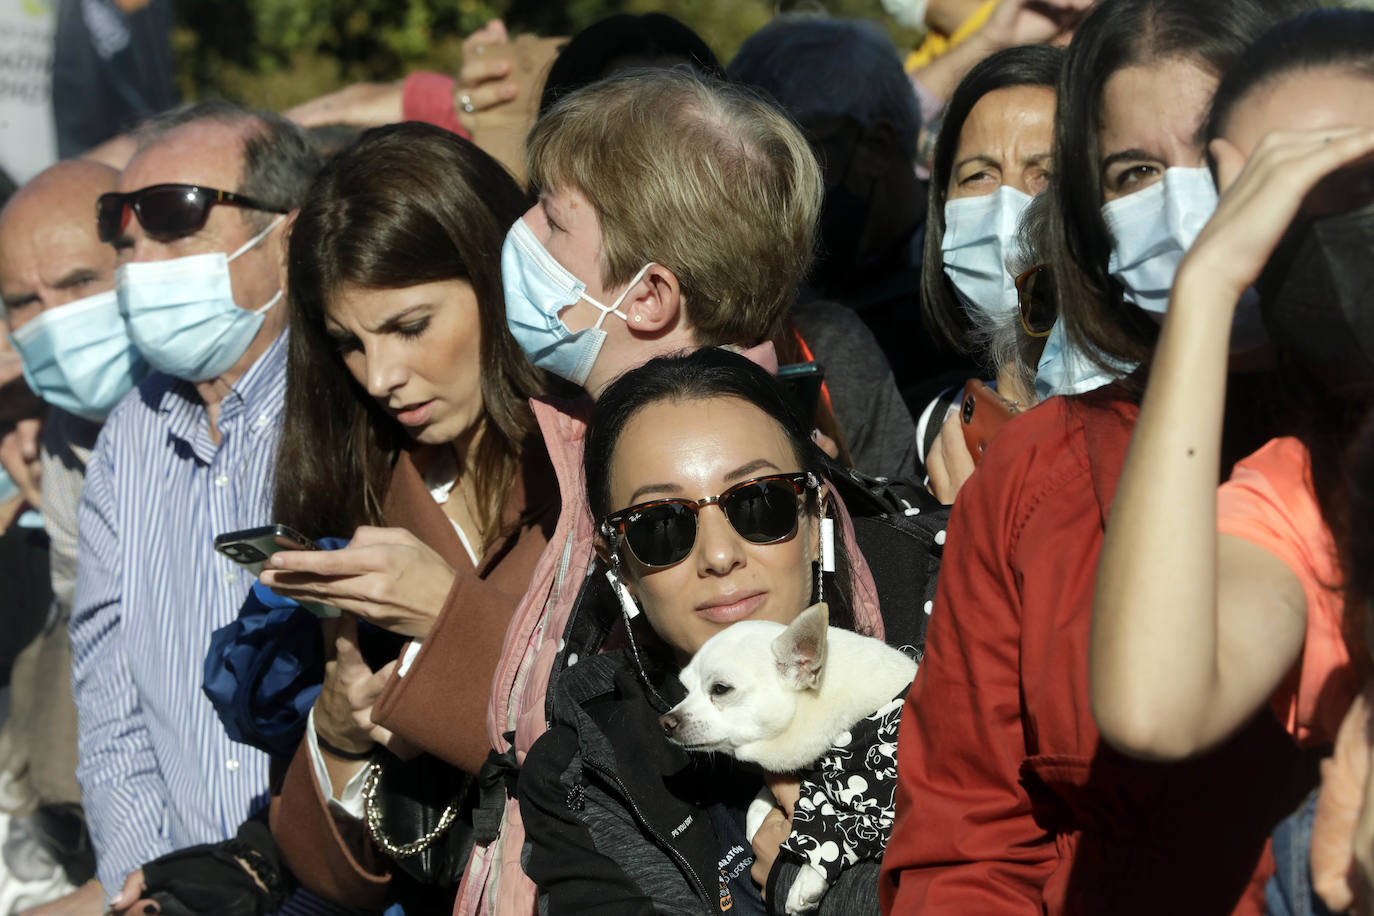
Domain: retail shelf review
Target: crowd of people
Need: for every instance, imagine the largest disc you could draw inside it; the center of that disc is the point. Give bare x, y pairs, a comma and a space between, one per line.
363, 501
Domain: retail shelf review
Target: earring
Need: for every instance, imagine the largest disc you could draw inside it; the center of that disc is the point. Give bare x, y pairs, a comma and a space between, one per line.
622, 593
638, 319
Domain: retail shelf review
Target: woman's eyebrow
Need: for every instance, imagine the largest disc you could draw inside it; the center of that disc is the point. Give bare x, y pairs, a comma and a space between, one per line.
979, 157
1128, 155
648, 488
744, 470
739, 473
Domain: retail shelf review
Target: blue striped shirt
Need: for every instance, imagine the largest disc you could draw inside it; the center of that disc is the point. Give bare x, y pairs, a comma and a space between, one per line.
156, 768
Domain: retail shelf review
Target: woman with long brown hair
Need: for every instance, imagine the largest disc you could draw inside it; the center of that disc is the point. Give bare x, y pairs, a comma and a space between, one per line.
407, 429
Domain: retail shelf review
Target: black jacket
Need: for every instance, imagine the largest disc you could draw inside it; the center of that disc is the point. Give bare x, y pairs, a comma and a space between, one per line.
619, 820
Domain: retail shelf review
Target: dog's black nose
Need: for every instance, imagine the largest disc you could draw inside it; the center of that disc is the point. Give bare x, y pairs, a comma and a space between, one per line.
669, 722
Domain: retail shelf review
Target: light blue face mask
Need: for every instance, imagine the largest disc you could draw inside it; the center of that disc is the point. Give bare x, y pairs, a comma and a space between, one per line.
1151, 231
538, 288
79, 357
981, 234
181, 313
1152, 228
1064, 369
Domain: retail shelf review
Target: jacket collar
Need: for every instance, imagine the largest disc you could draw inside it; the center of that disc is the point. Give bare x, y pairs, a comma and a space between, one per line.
409, 504
660, 783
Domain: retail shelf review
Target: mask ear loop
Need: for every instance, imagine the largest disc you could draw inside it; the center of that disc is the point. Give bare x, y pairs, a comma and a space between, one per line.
629, 610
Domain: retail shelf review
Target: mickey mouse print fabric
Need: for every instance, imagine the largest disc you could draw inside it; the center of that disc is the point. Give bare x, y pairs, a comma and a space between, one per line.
844, 814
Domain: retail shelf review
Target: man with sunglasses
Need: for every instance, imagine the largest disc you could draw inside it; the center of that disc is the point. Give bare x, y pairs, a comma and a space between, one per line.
198, 224
57, 282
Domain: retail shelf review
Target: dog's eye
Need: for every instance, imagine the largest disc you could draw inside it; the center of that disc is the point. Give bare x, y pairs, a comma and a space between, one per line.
720, 690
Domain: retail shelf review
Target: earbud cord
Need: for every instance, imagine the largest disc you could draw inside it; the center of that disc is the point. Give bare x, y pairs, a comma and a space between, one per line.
623, 594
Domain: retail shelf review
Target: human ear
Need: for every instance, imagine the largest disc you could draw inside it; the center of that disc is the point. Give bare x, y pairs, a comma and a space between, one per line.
656, 304
284, 241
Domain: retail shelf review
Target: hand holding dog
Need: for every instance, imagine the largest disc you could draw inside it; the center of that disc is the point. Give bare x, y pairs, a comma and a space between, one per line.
776, 827
387, 576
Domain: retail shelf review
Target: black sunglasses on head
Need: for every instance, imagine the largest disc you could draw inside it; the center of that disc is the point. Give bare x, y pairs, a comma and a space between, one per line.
166, 210
663, 532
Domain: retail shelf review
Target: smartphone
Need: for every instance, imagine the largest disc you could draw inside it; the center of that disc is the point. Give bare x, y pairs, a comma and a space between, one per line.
802, 382
982, 412
251, 547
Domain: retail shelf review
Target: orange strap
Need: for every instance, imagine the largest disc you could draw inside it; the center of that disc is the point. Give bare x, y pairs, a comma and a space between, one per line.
811, 358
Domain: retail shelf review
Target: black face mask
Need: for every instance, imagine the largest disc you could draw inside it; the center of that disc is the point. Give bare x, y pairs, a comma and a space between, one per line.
1317, 296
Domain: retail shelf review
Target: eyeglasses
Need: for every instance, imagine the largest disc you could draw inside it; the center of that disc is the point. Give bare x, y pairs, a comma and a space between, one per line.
1035, 296
663, 532
166, 210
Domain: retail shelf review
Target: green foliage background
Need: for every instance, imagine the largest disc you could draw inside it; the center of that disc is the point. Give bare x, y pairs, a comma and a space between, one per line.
276, 53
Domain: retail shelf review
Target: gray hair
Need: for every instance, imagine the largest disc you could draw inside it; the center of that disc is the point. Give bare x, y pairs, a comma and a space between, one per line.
279, 159
819, 68
998, 337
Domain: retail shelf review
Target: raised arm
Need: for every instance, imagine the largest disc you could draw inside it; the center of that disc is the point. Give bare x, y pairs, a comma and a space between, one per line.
1193, 632
124, 795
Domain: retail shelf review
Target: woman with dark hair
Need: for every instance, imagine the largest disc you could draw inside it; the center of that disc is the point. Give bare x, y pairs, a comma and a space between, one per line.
617, 818
1256, 609
1008, 800
992, 156
991, 159
407, 428
621, 42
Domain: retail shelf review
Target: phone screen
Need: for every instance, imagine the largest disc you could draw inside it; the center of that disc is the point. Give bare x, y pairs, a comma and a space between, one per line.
802, 382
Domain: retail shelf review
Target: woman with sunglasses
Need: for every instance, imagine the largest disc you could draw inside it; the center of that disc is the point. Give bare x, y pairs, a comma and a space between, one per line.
709, 496
408, 430
992, 157
1008, 800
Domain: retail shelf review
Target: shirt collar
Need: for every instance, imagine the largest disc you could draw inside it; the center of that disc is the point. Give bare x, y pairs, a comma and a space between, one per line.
256, 399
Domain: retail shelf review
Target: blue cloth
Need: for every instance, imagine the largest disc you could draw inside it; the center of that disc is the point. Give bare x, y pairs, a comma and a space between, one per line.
157, 770
264, 670
1289, 892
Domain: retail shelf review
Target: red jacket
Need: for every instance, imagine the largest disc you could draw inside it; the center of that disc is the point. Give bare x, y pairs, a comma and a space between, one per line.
1007, 802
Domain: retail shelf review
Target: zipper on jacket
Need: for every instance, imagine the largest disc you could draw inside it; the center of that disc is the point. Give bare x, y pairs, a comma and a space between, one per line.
658, 837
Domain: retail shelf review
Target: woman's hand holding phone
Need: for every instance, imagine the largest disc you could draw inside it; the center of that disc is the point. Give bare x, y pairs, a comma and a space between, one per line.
950, 463
387, 576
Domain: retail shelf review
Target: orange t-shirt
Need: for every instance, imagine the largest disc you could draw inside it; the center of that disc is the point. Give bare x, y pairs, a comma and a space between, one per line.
1269, 502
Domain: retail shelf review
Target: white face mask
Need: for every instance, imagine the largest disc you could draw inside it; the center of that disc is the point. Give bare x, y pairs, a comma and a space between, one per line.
182, 316
1151, 229
981, 236
537, 290
1064, 369
79, 357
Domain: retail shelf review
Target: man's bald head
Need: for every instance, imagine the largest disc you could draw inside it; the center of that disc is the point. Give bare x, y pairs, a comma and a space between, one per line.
50, 254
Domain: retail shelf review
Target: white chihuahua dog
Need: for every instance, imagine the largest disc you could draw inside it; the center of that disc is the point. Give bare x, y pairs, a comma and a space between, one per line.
781, 696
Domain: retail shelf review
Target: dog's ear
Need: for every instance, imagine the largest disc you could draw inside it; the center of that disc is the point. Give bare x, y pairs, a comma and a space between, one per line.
800, 649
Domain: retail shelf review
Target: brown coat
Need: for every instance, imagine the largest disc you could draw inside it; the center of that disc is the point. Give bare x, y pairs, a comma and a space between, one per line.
441, 703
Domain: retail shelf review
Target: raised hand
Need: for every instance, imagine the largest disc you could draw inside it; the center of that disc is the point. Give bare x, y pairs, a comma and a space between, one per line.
1260, 199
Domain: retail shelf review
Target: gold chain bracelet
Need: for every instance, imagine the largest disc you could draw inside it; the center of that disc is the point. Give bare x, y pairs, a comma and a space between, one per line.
372, 809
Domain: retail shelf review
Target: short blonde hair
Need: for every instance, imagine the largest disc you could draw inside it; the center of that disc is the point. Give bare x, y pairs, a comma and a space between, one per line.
701, 177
